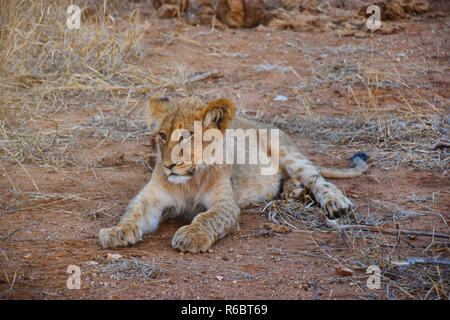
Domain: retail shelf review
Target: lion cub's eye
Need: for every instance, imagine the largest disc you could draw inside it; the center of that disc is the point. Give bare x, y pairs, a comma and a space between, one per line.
186, 135
162, 135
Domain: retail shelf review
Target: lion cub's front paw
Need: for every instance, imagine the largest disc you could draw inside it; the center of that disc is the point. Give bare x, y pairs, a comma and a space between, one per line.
119, 236
337, 207
192, 238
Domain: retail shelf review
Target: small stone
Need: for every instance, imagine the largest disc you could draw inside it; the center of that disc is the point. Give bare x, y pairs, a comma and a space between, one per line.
280, 97
113, 257
343, 270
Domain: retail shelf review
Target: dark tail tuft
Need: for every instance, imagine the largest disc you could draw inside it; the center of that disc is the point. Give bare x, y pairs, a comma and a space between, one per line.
358, 157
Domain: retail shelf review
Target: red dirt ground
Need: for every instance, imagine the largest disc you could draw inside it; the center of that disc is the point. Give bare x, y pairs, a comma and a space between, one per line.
52, 234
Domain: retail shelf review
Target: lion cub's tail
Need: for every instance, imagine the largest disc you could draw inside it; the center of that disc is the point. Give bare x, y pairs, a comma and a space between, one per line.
358, 163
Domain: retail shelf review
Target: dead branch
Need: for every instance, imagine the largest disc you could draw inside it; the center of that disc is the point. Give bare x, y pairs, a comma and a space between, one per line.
9, 235
412, 261
214, 74
441, 145
340, 228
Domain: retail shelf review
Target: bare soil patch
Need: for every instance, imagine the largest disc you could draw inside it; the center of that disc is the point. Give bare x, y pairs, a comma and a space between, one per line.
74, 149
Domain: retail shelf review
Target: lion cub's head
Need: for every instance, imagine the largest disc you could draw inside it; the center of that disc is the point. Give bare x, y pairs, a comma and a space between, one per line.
185, 130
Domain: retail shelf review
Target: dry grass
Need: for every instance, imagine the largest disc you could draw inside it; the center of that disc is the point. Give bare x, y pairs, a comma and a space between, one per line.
405, 138
46, 69
50, 77
8, 272
398, 132
368, 243
394, 140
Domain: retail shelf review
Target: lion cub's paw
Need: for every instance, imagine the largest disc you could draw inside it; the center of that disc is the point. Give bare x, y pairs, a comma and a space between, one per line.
337, 207
192, 238
119, 236
293, 189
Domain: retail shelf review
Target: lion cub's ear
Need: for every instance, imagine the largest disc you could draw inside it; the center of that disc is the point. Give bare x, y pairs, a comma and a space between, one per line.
220, 112
159, 106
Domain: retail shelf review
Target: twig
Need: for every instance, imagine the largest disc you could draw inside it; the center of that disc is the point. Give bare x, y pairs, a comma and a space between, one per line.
315, 289
9, 178
412, 261
440, 145
24, 169
405, 292
9, 235
4, 254
183, 38
36, 206
87, 185
205, 75
338, 227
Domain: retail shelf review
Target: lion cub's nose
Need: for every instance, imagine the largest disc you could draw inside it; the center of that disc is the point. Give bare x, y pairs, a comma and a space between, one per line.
170, 166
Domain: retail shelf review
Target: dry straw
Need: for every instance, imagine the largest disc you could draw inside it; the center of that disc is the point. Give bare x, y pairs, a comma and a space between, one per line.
45, 67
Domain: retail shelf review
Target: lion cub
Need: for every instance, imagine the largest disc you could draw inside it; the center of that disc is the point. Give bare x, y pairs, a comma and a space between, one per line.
211, 192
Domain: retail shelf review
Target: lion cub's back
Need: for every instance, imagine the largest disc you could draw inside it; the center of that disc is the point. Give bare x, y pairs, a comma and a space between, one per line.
249, 185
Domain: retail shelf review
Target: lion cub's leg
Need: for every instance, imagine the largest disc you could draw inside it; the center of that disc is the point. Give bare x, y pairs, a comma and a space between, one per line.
141, 216
330, 198
221, 219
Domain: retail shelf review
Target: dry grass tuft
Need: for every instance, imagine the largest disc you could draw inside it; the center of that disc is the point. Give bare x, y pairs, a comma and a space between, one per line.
62, 91
394, 141
369, 243
47, 69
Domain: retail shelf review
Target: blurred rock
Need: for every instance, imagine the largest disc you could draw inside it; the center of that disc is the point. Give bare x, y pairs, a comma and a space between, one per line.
343, 270
241, 13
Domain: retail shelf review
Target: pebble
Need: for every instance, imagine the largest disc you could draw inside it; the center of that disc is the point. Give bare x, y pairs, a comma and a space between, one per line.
343, 270
113, 257
280, 97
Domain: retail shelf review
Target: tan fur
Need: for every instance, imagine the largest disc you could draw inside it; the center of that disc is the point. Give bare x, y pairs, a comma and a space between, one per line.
212, 195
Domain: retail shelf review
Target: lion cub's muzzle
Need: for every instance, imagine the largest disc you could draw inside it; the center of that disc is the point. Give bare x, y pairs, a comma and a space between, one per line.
179, 173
